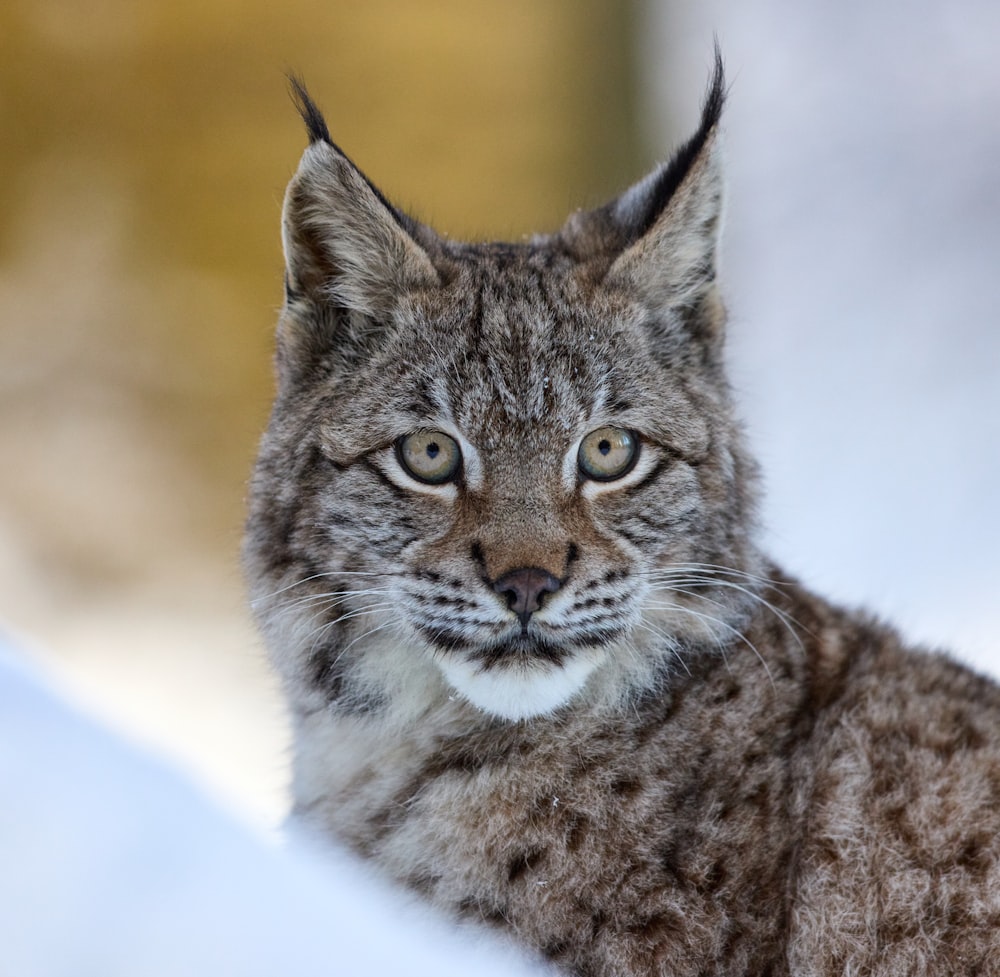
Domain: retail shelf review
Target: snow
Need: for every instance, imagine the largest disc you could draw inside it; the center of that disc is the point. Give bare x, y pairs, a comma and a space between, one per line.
114, 865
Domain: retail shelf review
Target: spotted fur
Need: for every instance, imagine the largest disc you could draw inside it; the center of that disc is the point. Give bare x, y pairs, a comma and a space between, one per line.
668, 758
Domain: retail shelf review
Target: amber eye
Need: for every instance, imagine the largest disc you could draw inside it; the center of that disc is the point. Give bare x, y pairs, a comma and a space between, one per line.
430, 456
608, 453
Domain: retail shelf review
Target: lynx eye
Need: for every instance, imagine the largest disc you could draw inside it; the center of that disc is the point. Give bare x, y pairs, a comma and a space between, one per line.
429, 456
608, 453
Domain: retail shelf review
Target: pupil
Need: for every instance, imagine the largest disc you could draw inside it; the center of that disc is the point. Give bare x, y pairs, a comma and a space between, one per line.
433, 450
604, 447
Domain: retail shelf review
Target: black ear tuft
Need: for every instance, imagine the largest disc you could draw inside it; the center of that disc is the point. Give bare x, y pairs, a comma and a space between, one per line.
675, 171
311, 116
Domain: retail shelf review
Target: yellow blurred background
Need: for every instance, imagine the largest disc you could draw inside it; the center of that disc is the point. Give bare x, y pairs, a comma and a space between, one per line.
146, 146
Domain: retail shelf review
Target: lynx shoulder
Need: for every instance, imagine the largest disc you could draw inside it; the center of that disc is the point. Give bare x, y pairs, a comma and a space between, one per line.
502, 547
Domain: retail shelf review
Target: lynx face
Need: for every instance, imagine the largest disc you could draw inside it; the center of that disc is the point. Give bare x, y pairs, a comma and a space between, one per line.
510, 467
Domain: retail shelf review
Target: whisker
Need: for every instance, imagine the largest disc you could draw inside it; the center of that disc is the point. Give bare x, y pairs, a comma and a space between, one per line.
368, 633
672, 645
716, 568
789, 622
326, 573
358, 612
333, 597
734, 631
317, 633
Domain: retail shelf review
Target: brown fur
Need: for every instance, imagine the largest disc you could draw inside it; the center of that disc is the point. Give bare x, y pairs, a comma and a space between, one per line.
684, 763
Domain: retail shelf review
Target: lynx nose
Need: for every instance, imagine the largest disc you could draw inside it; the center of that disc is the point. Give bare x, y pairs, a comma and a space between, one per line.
525, 589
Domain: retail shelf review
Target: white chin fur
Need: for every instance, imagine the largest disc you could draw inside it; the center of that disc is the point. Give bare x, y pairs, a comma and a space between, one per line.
519, 691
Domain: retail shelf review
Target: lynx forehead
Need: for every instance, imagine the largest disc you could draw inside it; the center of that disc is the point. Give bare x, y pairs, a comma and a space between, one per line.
502, 546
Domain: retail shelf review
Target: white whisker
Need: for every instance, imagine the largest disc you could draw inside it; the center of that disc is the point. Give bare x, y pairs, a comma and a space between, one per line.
734, 631
671, 577
668, 639
317, 634
368, 633
713, 569
322, 575
334, 597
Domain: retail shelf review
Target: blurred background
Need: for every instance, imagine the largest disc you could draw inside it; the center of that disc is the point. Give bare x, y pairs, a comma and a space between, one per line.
145, 149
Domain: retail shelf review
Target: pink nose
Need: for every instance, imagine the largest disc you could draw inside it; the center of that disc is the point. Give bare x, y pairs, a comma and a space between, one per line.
525, 588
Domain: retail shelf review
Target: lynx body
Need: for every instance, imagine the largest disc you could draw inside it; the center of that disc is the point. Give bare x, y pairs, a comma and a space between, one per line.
502, 546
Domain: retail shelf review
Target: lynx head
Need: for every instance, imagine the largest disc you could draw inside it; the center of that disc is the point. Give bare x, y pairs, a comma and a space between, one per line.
506, 471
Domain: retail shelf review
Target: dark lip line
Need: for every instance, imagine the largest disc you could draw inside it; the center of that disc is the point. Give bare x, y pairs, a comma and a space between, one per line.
516, 646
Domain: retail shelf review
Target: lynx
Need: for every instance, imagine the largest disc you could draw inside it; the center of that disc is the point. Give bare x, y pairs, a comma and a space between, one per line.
503, 548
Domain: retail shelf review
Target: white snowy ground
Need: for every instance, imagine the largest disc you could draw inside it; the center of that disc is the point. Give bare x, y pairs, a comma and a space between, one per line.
112, 865
862, 269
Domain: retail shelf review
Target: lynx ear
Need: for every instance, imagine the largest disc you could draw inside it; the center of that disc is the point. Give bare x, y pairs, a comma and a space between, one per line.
659, 239
344, 243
